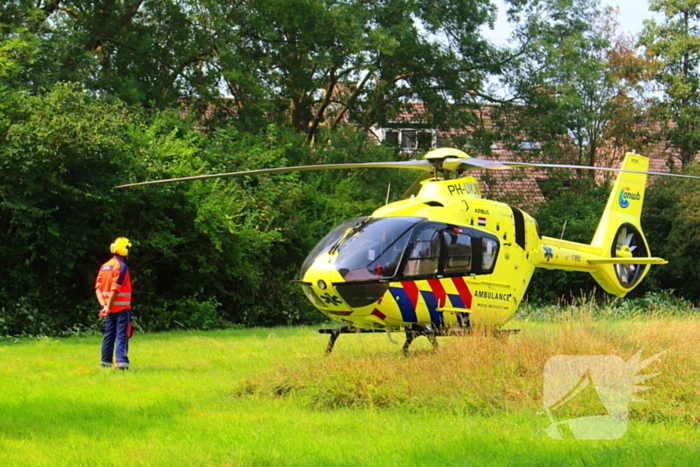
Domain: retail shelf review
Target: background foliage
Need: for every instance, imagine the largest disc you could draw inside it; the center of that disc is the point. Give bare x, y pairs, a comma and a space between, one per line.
100, 93
207, 254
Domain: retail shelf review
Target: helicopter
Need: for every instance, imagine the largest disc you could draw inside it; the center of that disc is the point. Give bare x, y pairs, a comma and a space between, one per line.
446, 261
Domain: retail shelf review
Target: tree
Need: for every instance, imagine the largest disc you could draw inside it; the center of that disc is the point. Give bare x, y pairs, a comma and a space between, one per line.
144, 52
202, 250
574, 213
570, 98
314, 63
60, 154
325, 61
672, 210
674, 46
206, 253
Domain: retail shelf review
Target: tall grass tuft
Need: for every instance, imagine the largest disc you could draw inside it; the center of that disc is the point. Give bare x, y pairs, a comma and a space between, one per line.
652, 304
482, 375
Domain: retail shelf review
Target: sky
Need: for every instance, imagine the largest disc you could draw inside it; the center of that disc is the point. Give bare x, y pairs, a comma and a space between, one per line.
632, 13
631, 16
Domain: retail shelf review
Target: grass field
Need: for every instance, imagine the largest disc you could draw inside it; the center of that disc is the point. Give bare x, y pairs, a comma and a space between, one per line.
269, 397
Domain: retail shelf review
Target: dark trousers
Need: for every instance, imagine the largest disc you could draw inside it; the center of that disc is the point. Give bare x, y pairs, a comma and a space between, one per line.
116, 325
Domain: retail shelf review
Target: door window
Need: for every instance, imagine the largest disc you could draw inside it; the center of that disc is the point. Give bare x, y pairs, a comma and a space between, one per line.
458, 251
424, 254
489, 250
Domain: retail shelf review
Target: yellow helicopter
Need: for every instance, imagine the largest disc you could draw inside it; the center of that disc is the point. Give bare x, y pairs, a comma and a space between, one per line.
445, 260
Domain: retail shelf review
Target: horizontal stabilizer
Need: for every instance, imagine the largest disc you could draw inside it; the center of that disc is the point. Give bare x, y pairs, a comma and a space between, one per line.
621, 260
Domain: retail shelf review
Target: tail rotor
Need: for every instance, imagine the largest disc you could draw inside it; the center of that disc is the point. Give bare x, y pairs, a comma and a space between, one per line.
629, 243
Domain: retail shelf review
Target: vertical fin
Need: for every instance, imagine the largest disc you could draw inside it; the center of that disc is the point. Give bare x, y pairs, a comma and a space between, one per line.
625, 200
619, 233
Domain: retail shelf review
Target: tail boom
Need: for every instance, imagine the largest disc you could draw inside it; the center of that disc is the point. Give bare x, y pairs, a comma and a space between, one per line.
618, 256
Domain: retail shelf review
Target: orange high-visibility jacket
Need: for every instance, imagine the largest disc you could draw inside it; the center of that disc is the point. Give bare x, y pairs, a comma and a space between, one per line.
114, 275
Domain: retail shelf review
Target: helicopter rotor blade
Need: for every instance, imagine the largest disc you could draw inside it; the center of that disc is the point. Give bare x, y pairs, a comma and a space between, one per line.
413, 164
474, 163
627, 272
447, 160
588, 167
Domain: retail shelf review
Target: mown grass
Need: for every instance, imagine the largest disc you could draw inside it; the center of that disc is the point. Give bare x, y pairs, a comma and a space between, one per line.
268, 397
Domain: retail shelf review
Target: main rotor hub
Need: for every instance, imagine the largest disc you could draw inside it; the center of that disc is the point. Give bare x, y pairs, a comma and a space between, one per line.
441, 158
443, 153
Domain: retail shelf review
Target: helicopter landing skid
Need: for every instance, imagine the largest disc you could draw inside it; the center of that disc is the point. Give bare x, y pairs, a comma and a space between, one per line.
411, 334
414, 332
344, 329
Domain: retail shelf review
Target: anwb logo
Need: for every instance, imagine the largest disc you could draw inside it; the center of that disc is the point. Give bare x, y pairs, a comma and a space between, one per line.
626, 195
586, 396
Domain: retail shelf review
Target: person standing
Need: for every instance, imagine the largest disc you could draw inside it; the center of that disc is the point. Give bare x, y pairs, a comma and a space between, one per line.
113, 291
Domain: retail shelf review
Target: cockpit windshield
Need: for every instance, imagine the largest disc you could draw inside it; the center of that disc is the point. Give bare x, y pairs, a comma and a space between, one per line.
331, 238
374, 249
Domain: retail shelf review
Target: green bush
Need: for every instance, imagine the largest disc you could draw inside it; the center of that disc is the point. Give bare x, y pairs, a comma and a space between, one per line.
672, 227
206, 254
573, 211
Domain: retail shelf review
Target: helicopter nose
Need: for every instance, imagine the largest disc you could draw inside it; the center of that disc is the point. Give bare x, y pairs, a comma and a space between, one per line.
318, 286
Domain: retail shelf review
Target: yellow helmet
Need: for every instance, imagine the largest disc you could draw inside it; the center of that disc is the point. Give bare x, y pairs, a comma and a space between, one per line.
121, 247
